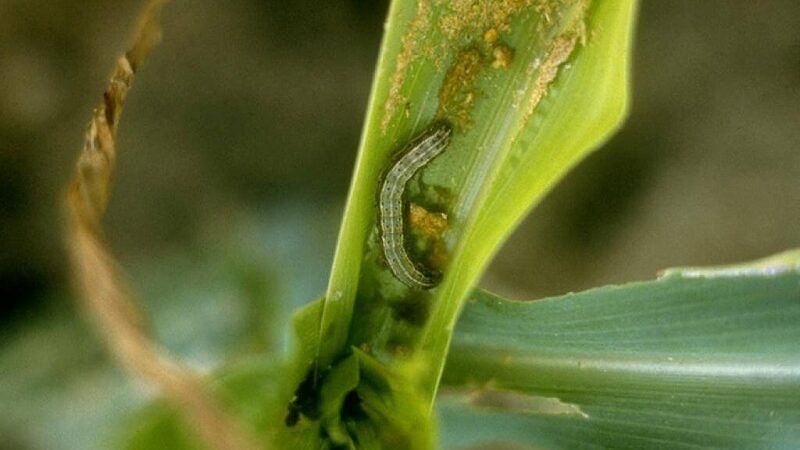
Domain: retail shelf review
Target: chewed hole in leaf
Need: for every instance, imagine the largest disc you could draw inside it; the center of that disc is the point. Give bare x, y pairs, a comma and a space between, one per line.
529, 404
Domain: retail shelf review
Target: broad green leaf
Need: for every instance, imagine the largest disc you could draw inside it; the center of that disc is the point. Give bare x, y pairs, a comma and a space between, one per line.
529, 88
699, 358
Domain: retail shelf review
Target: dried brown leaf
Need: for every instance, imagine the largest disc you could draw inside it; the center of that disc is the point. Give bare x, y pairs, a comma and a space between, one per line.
105, 292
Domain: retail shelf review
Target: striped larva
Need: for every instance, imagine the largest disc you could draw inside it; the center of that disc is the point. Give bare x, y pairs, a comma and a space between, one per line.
418, 153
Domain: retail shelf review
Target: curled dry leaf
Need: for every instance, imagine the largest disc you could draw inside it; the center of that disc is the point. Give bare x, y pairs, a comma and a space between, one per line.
100, 279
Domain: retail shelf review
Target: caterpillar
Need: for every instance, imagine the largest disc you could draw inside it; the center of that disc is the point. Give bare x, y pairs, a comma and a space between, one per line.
415, 156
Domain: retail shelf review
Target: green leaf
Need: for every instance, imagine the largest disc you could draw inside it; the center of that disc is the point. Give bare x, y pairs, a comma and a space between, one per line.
699, 358
529, 88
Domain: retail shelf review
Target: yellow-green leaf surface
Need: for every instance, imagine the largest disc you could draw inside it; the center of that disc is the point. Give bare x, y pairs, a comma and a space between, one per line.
700, 358
529, 87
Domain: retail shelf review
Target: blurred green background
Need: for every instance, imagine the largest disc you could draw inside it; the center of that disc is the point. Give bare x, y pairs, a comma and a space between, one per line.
236, 150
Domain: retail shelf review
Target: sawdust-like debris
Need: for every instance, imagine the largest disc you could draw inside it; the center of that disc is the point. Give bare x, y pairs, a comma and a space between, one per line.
490, 36
471, 15
503, 55
457, 94
431, 224
410, 52
546, 69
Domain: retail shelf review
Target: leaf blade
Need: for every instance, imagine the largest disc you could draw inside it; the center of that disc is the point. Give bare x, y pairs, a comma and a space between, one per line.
509, 78
681, 361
